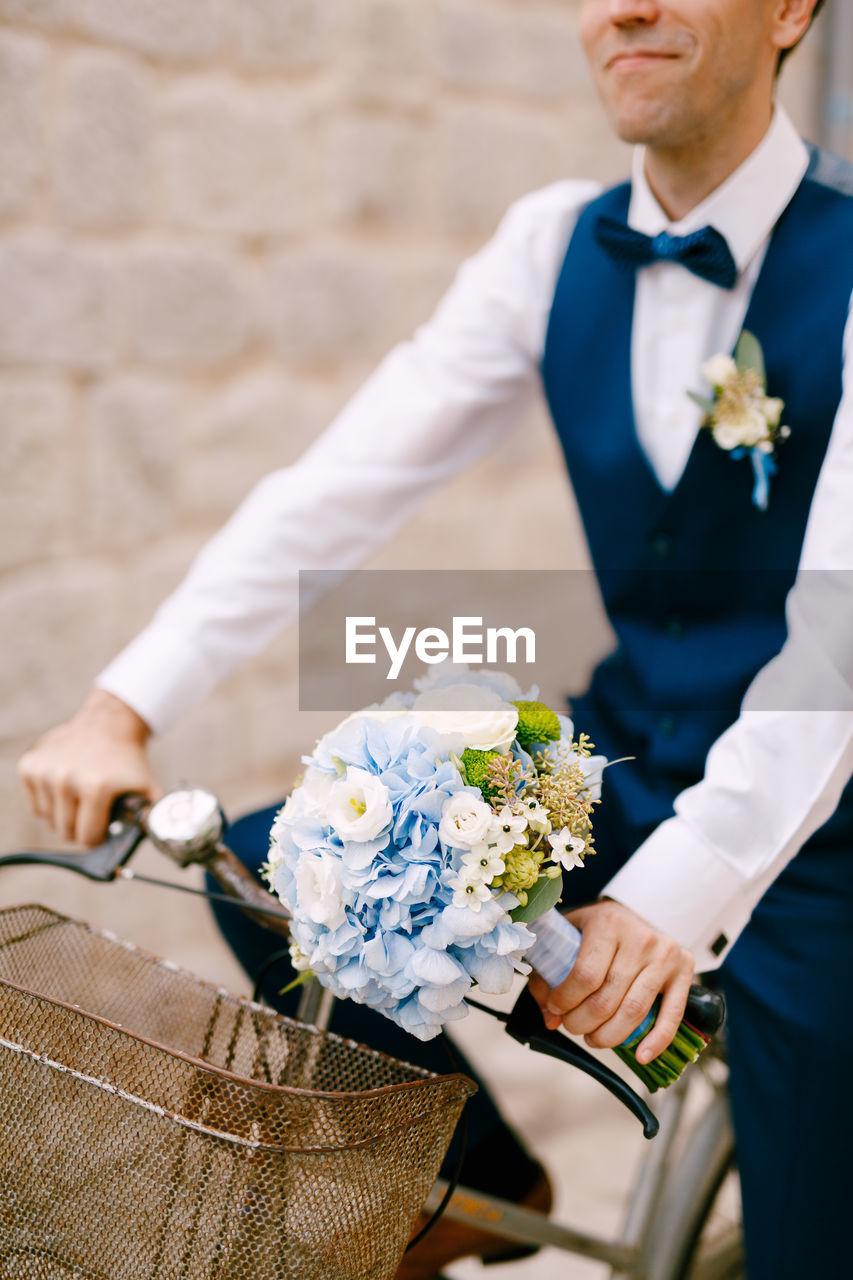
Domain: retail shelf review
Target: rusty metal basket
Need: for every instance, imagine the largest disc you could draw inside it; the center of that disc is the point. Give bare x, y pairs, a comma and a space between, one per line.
153, 1126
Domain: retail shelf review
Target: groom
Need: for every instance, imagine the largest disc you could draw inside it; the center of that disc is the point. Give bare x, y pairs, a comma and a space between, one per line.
614, 303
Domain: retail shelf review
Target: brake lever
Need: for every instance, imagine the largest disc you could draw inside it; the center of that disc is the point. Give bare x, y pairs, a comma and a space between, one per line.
102, 863
526, 1025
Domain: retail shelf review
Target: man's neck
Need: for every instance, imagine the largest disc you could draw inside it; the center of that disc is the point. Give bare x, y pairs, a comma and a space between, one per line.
682, 177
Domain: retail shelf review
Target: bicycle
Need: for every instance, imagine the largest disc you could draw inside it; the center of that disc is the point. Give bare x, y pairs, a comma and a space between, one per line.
670, 1230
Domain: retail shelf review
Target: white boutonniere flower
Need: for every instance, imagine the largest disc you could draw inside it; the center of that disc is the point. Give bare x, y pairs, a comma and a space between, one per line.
741, 417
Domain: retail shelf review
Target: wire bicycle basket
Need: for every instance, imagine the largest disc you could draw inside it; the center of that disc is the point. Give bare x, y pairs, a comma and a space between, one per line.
155, 1127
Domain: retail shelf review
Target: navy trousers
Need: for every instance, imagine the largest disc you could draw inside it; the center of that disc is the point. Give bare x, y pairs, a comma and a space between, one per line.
790, 1032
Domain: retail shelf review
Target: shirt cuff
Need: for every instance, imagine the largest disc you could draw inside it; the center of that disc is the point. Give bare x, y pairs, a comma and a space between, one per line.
160, 675
682, 886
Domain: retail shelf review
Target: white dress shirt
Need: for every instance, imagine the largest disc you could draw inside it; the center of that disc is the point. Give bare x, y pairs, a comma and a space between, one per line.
448, 396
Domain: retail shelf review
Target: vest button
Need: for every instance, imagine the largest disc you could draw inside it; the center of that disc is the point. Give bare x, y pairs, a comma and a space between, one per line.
675, 628
662, 545
666, 726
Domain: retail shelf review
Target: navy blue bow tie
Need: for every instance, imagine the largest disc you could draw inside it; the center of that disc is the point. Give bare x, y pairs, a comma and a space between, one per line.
706, 253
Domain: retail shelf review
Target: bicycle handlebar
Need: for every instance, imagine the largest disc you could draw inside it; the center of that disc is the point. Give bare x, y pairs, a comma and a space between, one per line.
187, 826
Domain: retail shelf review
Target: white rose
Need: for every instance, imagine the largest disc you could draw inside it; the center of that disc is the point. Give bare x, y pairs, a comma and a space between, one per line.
719, 370
358, 806
746, 428
318, 889
315, 792
479, 715
465, 821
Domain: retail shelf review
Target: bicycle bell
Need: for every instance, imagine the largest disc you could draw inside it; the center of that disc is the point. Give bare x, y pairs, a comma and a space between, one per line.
185, 824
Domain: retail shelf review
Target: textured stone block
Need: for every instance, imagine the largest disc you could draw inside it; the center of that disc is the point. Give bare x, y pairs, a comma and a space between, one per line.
187, 307
35, 481
535, 55
132, 443
376, 171
239, 432
328, 304
390, 52
58, 623
233, 159
40, 13
153, 571
289, 35
56, 303
183, 31
488, 157
22, 88
100, 161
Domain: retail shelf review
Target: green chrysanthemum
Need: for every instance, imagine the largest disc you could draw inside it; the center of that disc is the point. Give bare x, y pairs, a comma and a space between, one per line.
523, 866
536, 723
477, 769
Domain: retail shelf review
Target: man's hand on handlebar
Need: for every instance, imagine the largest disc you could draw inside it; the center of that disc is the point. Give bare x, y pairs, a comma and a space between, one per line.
623, 964
72, 775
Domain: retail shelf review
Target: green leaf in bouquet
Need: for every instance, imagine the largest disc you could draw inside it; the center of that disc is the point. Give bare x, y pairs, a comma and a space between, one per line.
748, 355
544, 895
704, 402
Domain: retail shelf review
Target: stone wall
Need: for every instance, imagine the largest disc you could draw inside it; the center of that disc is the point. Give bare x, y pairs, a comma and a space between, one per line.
215, 216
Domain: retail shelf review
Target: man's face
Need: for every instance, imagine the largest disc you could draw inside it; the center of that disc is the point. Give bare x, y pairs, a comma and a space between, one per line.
678, 70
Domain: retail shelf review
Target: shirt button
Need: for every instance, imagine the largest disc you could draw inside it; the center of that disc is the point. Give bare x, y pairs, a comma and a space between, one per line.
662, 545
666, 726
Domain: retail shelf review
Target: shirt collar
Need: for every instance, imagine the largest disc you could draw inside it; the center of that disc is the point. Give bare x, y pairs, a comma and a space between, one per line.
745, 207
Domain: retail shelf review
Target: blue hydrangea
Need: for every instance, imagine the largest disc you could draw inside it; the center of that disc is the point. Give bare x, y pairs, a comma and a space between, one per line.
374, 917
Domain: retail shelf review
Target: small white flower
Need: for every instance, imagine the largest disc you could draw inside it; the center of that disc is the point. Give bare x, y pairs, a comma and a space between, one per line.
465, 821
359, 806
567, 849
537, 816
486, 860
719, 370
318, 889
469, 889
507, 830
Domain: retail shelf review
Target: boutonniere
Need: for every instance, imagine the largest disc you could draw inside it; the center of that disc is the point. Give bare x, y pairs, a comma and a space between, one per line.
741, 417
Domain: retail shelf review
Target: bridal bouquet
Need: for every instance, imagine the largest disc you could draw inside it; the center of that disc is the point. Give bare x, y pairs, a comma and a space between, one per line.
425, 836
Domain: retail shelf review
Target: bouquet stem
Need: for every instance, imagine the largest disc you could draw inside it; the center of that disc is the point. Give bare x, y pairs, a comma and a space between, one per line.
554, 953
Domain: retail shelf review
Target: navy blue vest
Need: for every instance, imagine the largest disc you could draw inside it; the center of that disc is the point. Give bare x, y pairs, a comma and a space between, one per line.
693, 581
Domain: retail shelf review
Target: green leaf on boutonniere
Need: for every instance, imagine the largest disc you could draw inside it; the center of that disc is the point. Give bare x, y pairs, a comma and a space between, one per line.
705, 403
544, 895
748, 355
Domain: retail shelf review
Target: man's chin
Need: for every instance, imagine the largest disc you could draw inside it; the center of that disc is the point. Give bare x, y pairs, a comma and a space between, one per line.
645, 127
